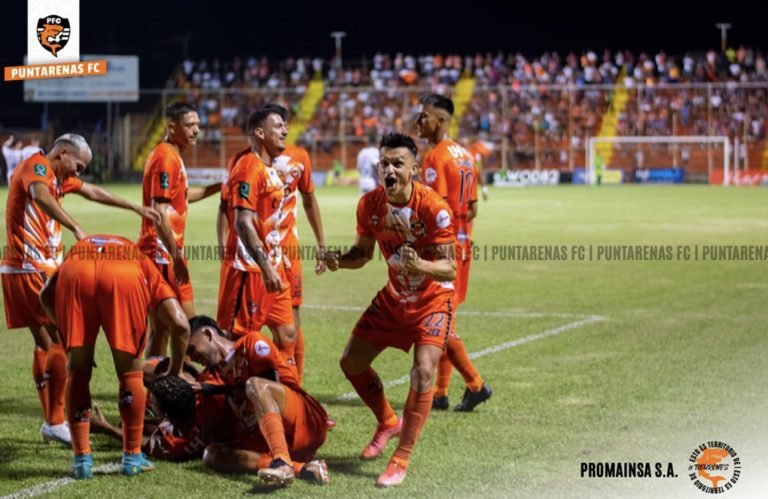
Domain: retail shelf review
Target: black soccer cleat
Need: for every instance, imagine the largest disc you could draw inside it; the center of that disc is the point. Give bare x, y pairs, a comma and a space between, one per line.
472, 399
440, 403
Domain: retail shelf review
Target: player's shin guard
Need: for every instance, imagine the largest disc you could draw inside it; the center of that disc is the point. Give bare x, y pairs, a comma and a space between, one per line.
78, 396
39, 361
271, 426
56, 370
444, 368
298, 354
415, 413
132, 403
460, 360
368, 386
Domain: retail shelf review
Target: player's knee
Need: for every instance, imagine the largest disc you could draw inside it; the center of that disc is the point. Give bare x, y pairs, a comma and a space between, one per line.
257, 390
421, 378
349, 366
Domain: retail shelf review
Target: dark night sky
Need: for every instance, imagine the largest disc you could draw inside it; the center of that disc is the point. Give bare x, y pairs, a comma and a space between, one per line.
155, 29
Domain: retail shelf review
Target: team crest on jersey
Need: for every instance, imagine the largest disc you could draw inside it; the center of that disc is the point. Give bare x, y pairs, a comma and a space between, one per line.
443, 219
418, 228
262, 348
430, 175
244, 189
53, 33
164, 181
40, 170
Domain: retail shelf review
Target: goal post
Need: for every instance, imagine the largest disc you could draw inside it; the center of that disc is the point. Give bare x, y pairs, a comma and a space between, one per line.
595, 144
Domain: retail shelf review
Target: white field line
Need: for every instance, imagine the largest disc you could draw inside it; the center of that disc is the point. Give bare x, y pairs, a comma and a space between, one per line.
47, 487
495, 349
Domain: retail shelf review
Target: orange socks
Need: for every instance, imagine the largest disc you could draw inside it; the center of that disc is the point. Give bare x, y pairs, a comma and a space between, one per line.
444, 368
415, 413
298, 354
461, 362
78, 395
271, 426
288, 352
368, 386
39, 361
56, 369
132, 403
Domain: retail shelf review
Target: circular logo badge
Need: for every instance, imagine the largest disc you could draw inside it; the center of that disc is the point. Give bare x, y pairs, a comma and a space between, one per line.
714, 467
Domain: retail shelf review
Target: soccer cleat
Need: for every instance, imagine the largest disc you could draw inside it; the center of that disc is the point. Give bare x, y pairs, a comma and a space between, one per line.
82, 466
380, 439
315, 471
440, 403
472, 399
134, 464
392, 476
278, 473
56, 433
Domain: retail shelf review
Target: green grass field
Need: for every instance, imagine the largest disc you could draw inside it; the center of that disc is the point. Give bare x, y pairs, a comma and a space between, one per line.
652, 358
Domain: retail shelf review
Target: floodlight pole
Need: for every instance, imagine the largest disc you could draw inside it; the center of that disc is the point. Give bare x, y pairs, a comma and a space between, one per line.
723, 27
338, 35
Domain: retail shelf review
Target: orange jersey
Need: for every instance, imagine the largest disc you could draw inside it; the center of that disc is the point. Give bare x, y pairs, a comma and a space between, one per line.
165, 178
256, 187
452, 172
254, 355
33, 238
295, 170
231, 166
422, 222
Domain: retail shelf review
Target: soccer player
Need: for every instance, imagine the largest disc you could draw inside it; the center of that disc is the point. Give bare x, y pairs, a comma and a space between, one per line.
412, 226
281, 426
106, 282
253, 290
33, 220
451, 171
295, 170
165, 189
367, 159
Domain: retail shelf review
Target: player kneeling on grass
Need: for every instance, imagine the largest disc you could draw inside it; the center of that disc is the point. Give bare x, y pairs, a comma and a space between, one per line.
281, 426
105, 282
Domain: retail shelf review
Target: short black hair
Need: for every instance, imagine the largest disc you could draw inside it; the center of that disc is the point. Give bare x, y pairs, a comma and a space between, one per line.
176, 110
258, 117
393, 140
199, 321
438, 101
175, 397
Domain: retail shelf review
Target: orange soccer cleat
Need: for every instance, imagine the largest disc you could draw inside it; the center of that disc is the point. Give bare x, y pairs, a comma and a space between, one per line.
380, 439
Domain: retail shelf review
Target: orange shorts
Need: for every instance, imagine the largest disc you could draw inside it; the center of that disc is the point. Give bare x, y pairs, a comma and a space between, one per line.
89, 298
389, 323
293, 279
183, 291
305, 423
463, 262
245, 306
21, 296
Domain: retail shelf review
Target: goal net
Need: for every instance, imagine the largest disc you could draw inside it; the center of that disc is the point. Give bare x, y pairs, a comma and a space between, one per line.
650, 159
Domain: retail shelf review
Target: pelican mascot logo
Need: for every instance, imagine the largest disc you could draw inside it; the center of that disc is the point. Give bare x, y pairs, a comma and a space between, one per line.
53, 33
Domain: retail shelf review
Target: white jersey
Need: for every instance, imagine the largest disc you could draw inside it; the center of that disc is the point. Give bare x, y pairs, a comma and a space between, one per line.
367, 160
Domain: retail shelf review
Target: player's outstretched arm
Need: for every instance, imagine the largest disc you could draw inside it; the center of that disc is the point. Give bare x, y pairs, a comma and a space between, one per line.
102, 196
442, 269
48, 296
312, 209
358, 255
199, 193
39, 192
172, 315
247, 233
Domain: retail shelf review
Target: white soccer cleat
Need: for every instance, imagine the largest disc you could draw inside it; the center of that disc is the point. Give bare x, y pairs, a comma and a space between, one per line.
56, 433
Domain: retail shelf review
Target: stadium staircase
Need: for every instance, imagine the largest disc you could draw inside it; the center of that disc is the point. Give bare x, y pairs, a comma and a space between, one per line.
461, 99
618, 104
307, 108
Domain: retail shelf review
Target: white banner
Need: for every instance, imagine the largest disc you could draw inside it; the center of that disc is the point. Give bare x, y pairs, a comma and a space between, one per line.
53, 31
524, 178
120, 84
